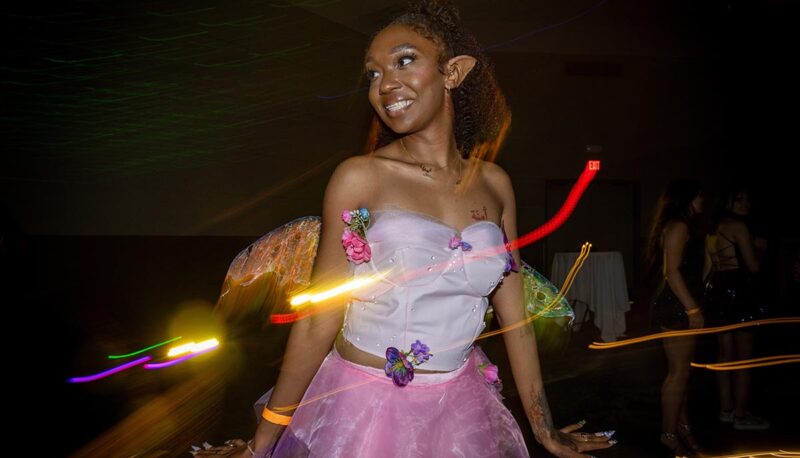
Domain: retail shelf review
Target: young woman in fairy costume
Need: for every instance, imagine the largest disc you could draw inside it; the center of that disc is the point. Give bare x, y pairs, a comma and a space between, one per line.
391, 370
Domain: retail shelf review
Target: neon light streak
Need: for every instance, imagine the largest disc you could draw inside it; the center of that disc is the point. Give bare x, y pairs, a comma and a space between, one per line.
326, 394
284, 318
144, 349
112, 371
335, 291
574, 196
180, 349
778, 453
205, 345
689, 332
573, 272
750, 363
192, 347
173, 362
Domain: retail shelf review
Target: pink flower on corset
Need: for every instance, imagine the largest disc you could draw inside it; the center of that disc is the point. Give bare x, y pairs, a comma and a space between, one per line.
356, 248
455, 241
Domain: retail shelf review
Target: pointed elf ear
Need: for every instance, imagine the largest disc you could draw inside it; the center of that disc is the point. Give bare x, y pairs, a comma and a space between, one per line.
457, 69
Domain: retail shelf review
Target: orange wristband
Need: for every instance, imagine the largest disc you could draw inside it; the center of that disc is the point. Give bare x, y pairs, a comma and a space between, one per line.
692, 311
275, 418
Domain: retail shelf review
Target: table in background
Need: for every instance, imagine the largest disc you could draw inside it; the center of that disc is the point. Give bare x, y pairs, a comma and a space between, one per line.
600, 285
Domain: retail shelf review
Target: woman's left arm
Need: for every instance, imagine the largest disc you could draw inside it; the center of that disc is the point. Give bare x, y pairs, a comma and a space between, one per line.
520, 341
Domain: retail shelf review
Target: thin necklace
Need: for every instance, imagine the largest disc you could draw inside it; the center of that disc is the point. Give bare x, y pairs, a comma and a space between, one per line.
427, 169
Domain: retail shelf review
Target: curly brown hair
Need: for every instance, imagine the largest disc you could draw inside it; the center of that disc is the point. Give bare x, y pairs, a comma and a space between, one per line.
482, 117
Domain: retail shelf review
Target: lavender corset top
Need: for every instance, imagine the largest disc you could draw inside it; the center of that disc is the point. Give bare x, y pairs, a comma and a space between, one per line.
433, 289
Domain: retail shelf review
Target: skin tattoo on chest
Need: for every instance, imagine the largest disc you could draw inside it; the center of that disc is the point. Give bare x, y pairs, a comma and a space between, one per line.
479, 214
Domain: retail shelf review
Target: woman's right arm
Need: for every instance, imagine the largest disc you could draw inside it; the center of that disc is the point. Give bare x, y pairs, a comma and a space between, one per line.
311, 338
676, 235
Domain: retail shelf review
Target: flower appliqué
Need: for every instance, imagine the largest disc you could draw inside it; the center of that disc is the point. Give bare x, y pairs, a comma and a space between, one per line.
354, 237
489, 372
511, 264
400, 364
456, 242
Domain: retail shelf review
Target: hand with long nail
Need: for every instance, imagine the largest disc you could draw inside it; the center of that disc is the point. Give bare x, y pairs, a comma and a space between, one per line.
235, 448
578, 442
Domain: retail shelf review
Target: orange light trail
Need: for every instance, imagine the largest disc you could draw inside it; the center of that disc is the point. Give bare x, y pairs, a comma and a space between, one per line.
573, 272
778, 453
750, 363
322, 396
690, 332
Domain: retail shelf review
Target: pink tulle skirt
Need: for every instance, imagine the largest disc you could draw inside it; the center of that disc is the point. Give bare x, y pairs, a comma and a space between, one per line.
356, 411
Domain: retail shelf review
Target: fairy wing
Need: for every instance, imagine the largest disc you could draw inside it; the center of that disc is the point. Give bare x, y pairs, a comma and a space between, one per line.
272, 268
542, 297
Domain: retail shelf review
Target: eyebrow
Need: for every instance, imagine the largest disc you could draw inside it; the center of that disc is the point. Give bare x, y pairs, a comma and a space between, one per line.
394, 50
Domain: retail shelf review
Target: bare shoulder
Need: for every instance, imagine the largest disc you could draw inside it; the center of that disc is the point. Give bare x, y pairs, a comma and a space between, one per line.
353, 177
676, 229
733, 228
356, 169
497, 178
739, 230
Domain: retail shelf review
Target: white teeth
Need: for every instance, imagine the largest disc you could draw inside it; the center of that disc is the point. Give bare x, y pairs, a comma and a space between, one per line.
399, 105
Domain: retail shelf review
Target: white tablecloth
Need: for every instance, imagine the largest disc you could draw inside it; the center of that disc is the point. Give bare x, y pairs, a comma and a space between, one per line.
601, 285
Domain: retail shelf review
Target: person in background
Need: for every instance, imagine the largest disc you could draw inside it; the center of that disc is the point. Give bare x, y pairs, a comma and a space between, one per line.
732, 258
677, 251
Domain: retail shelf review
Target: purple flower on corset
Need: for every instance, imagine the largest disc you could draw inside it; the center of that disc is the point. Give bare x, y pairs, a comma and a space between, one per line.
511, 264
421, 352
397, 367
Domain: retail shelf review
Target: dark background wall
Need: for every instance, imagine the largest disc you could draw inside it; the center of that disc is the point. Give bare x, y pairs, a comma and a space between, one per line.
156, 118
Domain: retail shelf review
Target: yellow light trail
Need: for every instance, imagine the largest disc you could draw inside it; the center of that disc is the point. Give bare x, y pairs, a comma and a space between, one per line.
192, 347
778, 453
313, 298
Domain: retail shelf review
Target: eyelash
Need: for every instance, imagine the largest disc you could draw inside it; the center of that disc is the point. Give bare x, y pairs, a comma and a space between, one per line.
370, 73
410, 55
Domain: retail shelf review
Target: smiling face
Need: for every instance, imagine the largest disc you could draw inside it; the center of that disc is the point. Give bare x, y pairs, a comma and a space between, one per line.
740, 204
407, 88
